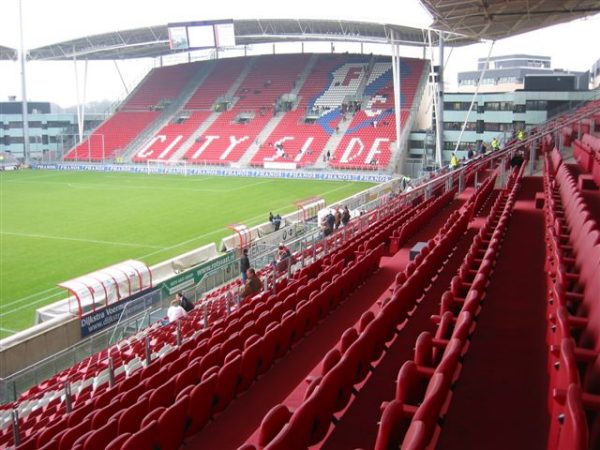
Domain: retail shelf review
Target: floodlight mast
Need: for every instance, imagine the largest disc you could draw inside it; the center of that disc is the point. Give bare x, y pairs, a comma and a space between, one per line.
24, 112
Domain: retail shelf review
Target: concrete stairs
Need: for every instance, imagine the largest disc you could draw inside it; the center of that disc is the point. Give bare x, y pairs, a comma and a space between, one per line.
333, 143
213, 117
169, 112
272, 124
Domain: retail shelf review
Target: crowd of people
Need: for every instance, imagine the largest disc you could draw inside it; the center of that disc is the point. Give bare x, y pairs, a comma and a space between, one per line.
333, 220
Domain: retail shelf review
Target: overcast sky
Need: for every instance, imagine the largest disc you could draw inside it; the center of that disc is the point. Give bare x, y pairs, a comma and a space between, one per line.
573, 46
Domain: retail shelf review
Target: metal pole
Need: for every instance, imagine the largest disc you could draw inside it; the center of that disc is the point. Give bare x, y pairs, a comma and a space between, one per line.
121, 77
482, 73
25, 112
15, 422
396, 83
178, 336
111, 372
68, 403
148, 351
439, 122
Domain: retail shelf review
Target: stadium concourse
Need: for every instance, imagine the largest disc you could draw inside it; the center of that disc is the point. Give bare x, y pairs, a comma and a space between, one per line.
484, 337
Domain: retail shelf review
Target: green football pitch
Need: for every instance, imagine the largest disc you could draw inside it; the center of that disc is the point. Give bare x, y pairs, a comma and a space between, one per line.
55, 226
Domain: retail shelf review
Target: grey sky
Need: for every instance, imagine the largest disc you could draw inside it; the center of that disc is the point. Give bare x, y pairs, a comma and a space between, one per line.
572, 46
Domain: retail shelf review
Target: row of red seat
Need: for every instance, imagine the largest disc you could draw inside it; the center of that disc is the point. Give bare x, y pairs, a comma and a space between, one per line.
344, 369
587, 153
572, 264
424, 386
168, 365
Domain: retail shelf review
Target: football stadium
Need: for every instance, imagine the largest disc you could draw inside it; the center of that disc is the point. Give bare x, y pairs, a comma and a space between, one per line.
293, 233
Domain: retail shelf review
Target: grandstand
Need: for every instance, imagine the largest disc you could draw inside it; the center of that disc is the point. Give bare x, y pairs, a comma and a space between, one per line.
245, 108
459, 311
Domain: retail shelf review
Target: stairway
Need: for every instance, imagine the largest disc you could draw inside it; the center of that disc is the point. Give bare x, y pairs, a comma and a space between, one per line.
305, 74
213, 117
274, 122
169, 112
333, 143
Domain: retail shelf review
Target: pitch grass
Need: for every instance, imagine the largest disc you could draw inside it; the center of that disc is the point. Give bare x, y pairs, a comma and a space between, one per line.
55, 226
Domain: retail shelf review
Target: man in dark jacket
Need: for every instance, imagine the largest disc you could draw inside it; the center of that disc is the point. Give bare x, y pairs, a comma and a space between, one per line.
184, 302
244, 264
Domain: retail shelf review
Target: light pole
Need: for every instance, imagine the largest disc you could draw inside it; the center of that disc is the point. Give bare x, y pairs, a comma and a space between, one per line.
25, 113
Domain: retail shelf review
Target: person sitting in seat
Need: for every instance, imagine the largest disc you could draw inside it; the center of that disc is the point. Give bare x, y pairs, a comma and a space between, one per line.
175, 311
253, 284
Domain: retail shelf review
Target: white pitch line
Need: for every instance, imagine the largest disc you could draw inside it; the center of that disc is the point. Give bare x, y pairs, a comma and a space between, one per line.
249, 220
35, 177
90, 241
37, 294
8, 330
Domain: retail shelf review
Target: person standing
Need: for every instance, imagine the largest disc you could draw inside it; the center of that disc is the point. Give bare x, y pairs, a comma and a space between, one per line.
453, 161
277, 222
345, 216
338, 218
244, 265
495, 144
185, 303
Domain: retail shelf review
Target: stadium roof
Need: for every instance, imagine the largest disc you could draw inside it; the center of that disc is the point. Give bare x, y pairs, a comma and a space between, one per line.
154, 41
7, 53
497, 19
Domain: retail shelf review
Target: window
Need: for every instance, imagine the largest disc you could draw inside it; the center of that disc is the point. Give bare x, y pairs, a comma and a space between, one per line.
519, 109
416, 144
457, 126
457, 106
499, 106
536, 105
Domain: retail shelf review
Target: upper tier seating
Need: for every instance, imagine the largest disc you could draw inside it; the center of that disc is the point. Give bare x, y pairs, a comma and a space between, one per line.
217, 83
226, 141
168, 140
115, 134
162, 84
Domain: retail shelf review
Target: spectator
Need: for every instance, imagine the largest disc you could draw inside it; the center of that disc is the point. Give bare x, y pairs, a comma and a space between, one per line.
454, 161
252, 285
470, 152
283, 252
338, 218
244, 265
283, 257
277, 222
330, 220
175, 311
328, 155
271, 217
495, 144
345, 216
184, 302
324, 226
